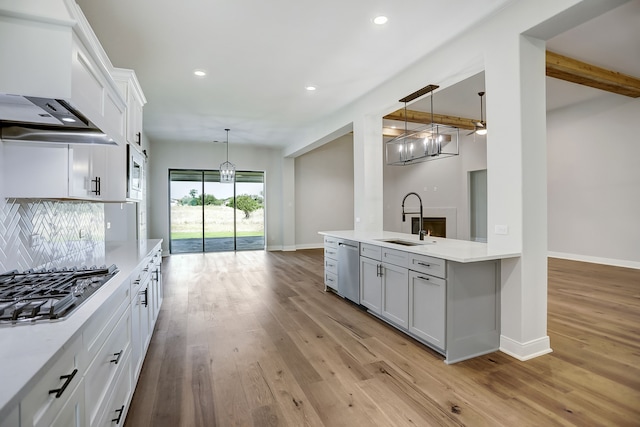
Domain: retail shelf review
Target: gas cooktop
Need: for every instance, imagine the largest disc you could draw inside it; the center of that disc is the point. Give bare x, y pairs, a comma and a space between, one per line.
48, 295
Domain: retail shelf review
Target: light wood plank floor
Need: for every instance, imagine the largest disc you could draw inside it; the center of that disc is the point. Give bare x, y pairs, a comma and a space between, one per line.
251, 339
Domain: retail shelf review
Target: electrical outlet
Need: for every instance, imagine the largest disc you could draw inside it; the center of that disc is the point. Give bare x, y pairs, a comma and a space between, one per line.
501, 229
35, 240
81, 233
108, 225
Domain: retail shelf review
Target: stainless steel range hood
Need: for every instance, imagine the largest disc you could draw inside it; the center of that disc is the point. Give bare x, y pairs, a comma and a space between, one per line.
36, 119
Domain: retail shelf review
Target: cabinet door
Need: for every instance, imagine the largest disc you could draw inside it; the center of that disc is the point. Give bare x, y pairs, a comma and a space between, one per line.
395, 295
87, 169
35, 170
370, 284
72, 413
427, 308
139, 327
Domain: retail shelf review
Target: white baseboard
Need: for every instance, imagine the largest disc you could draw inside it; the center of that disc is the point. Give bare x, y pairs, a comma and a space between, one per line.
527, 350
310, 246
595, 260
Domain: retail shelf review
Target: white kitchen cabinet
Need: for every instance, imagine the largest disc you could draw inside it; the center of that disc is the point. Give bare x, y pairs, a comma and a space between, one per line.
384, 287
331, 263
371, 284
50, 395
60, 171
427, 308
140, 318
87, 171
117, 406
94, 93
106, 367
36, 170
395, 294
130, 89
156, 285
57, 55
72, 412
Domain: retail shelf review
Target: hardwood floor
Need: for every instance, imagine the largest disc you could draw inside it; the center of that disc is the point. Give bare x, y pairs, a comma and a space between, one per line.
251, 339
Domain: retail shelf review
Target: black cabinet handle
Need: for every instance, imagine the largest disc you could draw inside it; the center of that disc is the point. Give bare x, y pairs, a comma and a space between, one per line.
424, 265
119, 412
146, 296
68, 379
97, 183
117, 359
138, 138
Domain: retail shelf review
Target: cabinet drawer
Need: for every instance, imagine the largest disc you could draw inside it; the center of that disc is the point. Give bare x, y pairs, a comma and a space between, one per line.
103, 321
117, 403
40, 406
330, 242
106, 366
331, 280
370, 251
395, 257
428, 265
331, 265
331, 253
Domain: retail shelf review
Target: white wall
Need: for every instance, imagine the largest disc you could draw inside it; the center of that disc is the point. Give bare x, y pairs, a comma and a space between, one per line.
441, 183
178, 155
324, 191
594, 181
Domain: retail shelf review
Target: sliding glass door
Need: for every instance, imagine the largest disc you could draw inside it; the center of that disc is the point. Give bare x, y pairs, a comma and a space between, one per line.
207, 216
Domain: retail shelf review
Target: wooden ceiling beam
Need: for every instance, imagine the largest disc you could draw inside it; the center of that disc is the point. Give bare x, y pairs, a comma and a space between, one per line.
559, 67
573, 70
425, 118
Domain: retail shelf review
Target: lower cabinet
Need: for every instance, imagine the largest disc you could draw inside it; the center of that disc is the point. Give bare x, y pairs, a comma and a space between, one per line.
116, 407
51, 396
395, 295
452, 307
140, 319
330, 263
91, 380
371, 284
427, 304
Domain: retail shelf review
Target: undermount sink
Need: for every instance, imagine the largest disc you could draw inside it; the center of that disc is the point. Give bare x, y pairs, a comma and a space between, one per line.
407, 242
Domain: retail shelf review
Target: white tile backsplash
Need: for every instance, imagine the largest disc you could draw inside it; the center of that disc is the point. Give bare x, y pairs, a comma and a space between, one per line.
68, 233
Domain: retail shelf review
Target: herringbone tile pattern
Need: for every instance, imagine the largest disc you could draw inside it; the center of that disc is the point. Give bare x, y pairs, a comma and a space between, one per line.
59, 226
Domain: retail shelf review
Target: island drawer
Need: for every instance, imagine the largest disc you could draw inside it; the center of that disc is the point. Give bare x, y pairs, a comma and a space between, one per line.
331, 265
370, 251
330, 280
330, 242
428, 265
331, 253
395, 257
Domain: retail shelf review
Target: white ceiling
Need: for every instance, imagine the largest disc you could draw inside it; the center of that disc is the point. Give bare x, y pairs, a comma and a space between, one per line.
261, 55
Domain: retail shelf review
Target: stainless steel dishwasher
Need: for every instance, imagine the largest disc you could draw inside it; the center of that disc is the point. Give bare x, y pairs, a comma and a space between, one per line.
349, 270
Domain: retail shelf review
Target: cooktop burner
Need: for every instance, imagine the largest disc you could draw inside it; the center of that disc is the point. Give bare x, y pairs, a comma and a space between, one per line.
36, 295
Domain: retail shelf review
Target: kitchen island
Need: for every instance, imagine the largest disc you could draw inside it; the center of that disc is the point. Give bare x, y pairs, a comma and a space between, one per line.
83, 369
444, 293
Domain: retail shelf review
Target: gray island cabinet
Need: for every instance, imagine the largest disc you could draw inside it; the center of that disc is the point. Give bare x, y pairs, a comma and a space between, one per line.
444, 293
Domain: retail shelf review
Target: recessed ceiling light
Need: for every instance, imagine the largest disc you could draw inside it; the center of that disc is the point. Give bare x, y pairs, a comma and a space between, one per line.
380, 20
310, 88
200, 73
68, 119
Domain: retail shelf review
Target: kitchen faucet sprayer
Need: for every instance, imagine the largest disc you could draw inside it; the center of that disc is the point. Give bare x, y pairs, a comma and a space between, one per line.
421, 232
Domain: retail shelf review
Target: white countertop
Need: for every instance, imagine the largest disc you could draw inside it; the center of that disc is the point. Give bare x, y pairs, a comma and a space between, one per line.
26, 350
437, 247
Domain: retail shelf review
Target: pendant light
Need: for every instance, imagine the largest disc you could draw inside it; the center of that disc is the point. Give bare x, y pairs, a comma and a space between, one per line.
227, 169
481, 126
428, 142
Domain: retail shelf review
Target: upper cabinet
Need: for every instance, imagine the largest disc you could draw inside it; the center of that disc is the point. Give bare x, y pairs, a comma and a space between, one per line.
49, 50
131, 91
